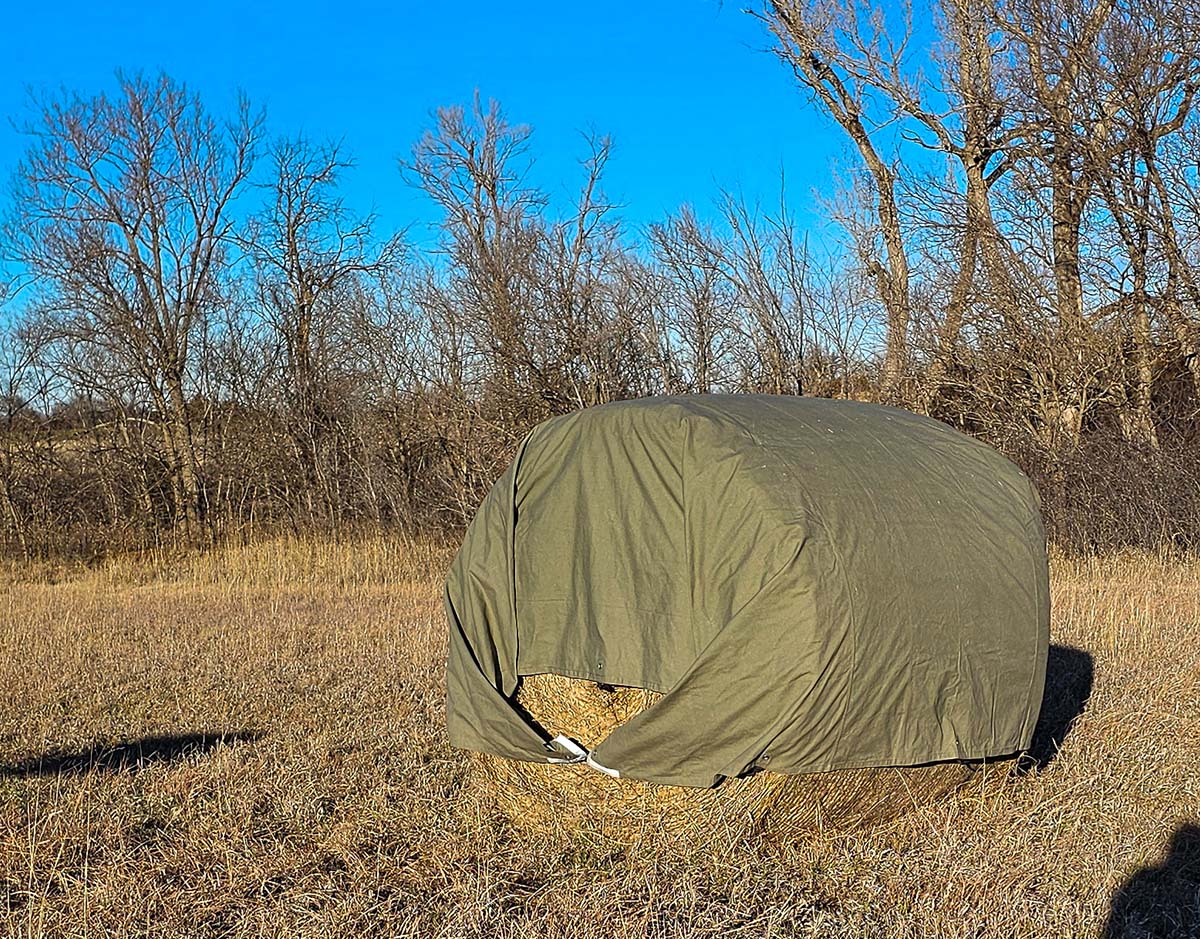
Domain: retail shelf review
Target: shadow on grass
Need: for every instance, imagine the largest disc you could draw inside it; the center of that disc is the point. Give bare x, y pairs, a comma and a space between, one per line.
1162, 901
130, 756
1069, 676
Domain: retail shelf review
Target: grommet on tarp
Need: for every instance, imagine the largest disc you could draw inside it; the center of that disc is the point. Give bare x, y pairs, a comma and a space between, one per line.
568, 750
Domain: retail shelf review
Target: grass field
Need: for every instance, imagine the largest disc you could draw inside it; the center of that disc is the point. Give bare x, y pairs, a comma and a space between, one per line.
250, 743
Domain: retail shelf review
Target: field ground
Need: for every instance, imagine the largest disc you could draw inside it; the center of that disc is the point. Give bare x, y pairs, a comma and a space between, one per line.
249, 743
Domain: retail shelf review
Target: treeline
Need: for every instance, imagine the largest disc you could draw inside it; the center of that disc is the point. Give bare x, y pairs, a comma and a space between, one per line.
203, 340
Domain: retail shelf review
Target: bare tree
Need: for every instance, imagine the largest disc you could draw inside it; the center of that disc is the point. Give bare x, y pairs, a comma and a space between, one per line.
1055, 41
20, 439
697, 301
123, 214
826, 45
309, 257
524, 305
1148, 72
765, 260
473, 166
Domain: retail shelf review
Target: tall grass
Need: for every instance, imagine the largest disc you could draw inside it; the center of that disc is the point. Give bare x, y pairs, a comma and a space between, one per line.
250, 743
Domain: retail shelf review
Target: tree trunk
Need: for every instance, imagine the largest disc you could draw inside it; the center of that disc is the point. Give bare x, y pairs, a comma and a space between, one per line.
191, 506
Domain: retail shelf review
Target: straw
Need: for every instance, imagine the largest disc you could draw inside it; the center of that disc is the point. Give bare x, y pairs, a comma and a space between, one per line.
537, 796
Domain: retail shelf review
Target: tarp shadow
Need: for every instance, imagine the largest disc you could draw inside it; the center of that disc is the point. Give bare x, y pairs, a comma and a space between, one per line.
129, 756
1069, 676
1162, 901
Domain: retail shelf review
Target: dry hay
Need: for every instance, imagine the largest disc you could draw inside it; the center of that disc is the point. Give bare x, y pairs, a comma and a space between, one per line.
543, 797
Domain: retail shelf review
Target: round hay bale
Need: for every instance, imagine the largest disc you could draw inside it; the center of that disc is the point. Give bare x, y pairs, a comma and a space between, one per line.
547, 797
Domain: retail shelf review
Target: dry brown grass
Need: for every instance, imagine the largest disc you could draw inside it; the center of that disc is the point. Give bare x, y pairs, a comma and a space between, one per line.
339, 810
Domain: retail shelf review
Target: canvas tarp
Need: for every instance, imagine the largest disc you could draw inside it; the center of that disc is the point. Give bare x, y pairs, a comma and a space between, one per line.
812, 584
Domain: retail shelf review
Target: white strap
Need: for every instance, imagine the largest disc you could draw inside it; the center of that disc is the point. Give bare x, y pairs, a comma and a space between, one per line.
577, 753
607, 770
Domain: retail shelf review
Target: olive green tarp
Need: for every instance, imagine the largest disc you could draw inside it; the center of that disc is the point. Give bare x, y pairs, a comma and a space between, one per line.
812, 584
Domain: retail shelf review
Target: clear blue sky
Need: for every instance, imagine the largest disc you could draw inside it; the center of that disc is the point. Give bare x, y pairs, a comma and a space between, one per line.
683, 86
